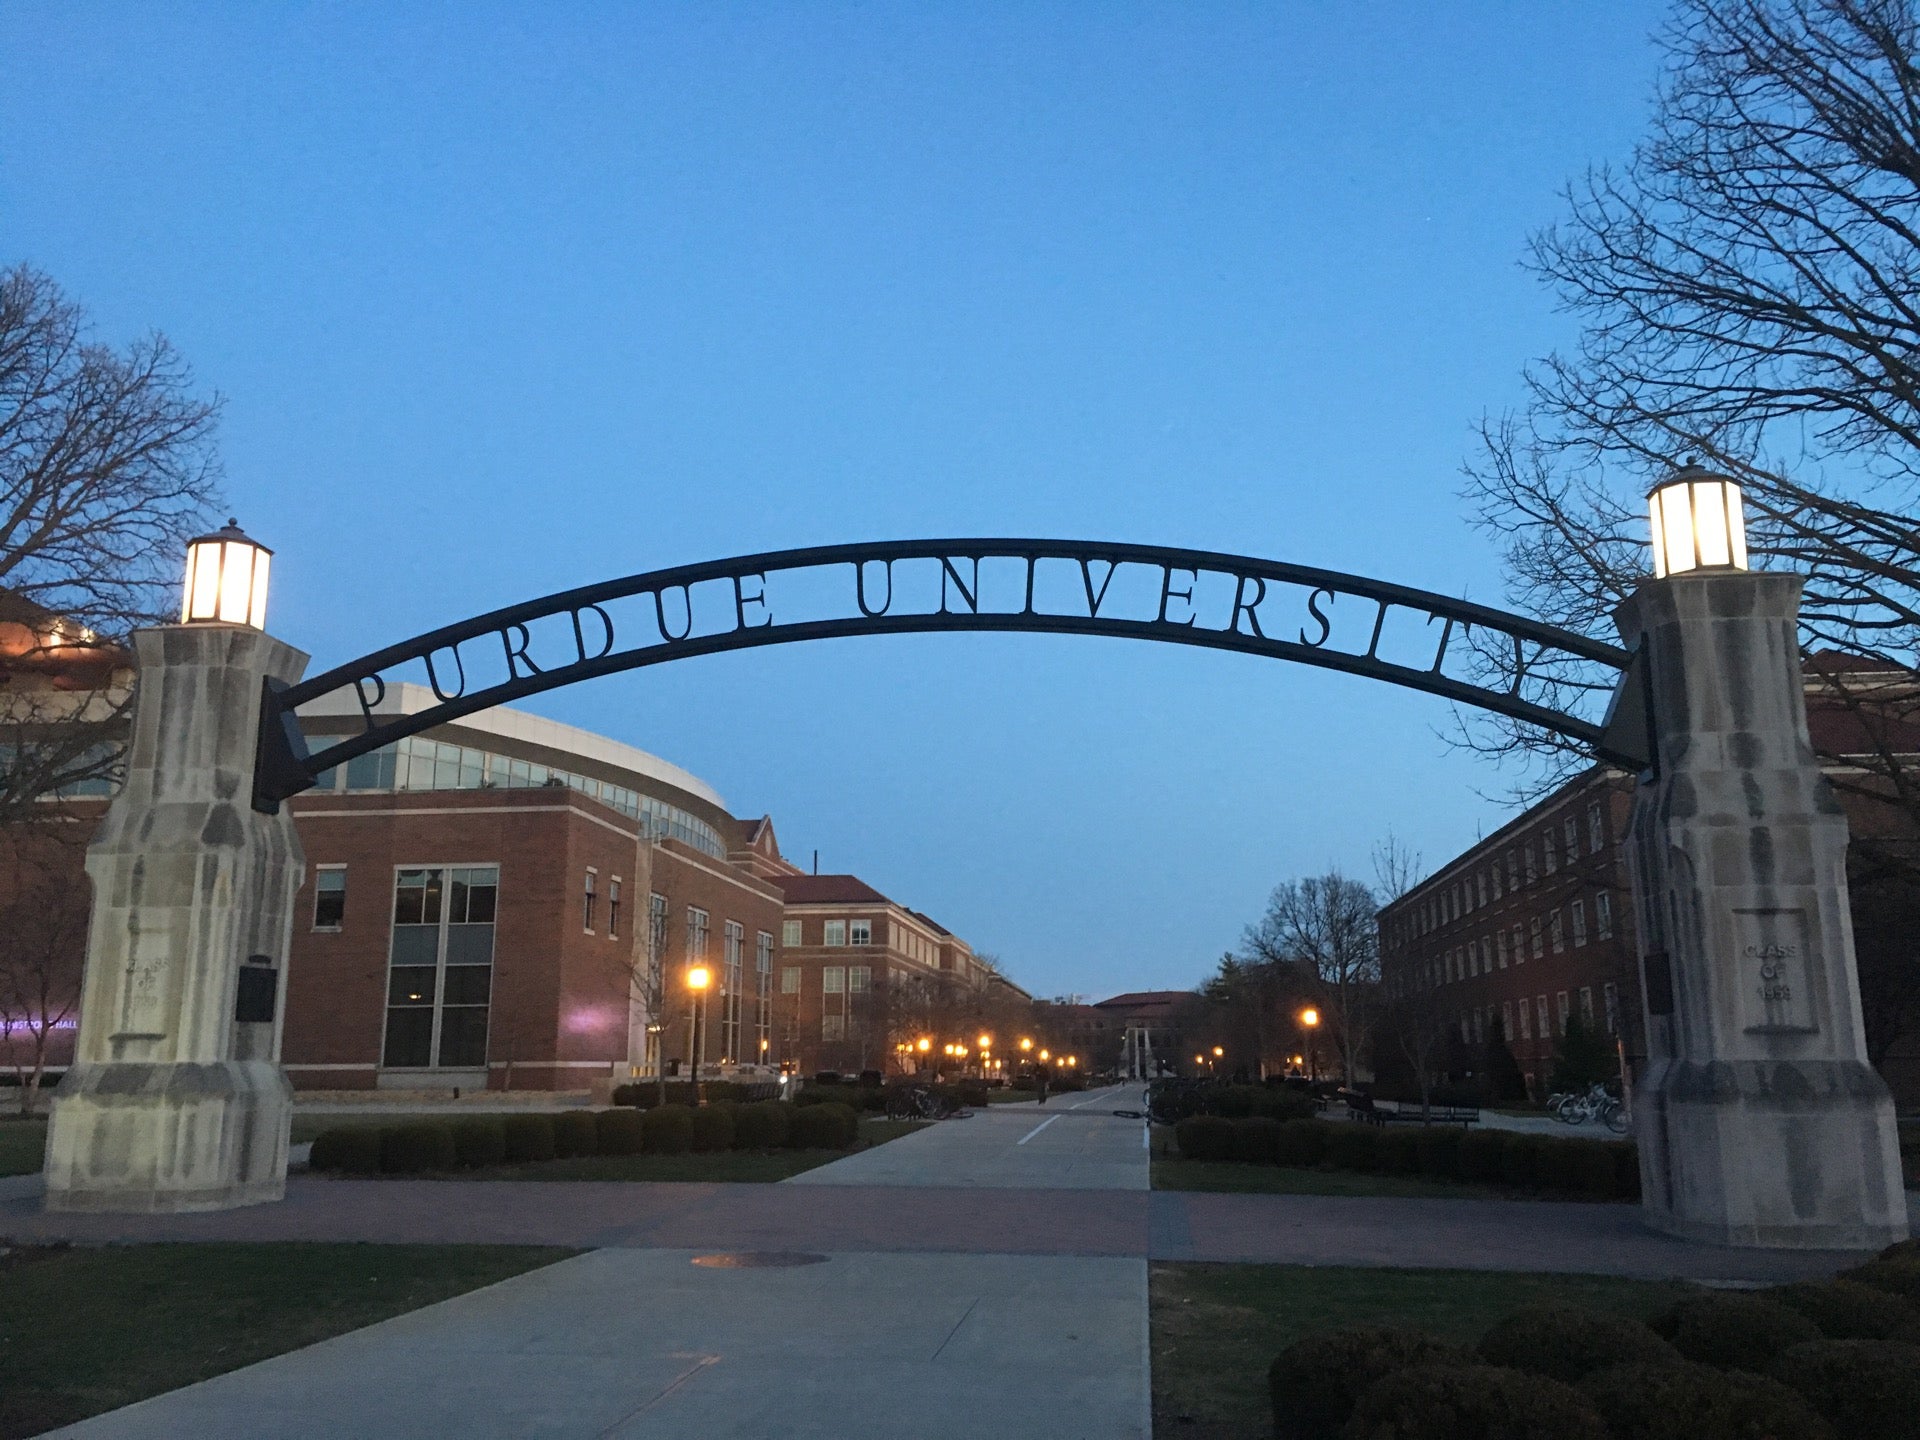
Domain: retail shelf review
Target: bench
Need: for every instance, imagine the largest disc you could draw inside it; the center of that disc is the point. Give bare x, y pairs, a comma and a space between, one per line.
1361, 1107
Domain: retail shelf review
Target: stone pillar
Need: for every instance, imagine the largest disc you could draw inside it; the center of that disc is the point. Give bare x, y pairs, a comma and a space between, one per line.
1759, 1120
176, 1100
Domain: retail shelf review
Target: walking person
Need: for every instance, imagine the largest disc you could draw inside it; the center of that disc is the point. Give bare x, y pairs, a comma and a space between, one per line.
1043, 1074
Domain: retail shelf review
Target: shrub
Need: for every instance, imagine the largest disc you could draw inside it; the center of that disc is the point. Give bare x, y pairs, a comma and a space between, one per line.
1593, 1169
479, 1140
667, 1130
529, 1137
823, 1127
350, 1149
713, 1128
762, 1125
1256, 1140
1315, 1383
1695, 1402
1908, 1249
423, 1145
1733, 1332
1479, 1154
1439, 1150
1626, 1170
1302, 1142
627, 1095
1527, 1160
1898, 1276
1472, 1402
1564, 1343
1277, 1103
1863, 1387
1231, 1102
1397, 1152
620, 1132
574, 1133
1205, 1137
1844, 1310
1353, 1146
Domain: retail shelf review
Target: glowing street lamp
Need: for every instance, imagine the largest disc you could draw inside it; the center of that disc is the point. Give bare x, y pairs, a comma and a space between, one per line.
1309, 1018
1045, 1056
226, 581
1026, 1043
699, 977
1698, 523
986, 1042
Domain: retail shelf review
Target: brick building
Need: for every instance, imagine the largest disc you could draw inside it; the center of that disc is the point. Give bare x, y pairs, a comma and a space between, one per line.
1535, 922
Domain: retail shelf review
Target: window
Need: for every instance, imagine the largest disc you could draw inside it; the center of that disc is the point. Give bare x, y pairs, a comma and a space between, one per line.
833, 980
1560, 1000
657, 927
1519, 946
613, 908
1603, 915
833, 1027
1546, 1027
1480, 886
586, 909
440, 967
859, 979
1506, 1019
1610, 995
1557, 931
1532, 873
1570, 831
329, 897
1526, 1027
1496, 877
697, 933
836, 933
763, 994
1586, 1004
1473, 960
860, 932
1535, 928
1579, 912
1596, 828
1550, 852
1500, 949
733, 944
789, 979
790, 933
1513, 870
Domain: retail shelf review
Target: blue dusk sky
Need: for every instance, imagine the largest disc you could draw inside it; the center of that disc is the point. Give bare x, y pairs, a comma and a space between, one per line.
508, 299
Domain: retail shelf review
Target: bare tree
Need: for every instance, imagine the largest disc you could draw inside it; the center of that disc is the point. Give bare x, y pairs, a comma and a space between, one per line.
106, 468
1748, 289
43, 930
1326, 925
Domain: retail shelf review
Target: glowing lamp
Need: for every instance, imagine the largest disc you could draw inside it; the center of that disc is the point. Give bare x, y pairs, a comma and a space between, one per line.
1309, 1016
1026, 1044
226, 580
699, 977
1698, 523
925, 1045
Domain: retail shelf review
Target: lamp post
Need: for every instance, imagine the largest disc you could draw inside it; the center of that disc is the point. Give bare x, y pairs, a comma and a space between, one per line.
1759, 1120
175, 1100
1309, 1019
699, 981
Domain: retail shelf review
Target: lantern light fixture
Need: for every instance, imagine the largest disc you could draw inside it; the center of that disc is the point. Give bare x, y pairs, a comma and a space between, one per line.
1698, 523
226, 580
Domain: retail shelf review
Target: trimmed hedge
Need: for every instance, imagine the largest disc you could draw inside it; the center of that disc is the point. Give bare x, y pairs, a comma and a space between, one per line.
620, 1132
713, 1128
645, 1094
1353, 1147
1256, 1140
1397, 1152
1302, 1142
1315, 1383
763, 1125
667, 1130
1862, 1387
823, 1127
1898, 1275
1696, 1402
1473, 1402
1844, 1310
479, 1140
350, 1149
1205, 1137
1732, 1332
1567, 1344
1479, 1155
529, 1138
409, 1149
574, 1133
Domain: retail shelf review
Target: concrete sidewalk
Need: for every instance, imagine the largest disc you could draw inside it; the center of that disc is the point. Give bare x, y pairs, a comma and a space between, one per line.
632, 1343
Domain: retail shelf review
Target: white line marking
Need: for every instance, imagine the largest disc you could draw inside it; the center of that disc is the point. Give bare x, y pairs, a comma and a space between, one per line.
1097, 1095
1146, 1137
1036, 1130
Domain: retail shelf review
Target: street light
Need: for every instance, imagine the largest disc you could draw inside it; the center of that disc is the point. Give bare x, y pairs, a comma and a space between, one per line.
1698, 523
699, 977
1026, 1043
1309, 1018
226, 581
1044, 1055
986, 1042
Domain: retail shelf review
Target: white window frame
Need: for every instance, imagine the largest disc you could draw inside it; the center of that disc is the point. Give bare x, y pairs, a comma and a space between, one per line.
320, 872
834, 934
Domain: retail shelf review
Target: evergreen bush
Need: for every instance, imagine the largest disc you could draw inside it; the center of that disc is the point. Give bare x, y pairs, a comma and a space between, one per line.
1565, 1343
1845, 1310
349, 1149
667, 1130
1397, 1152
1479, 1155
1526, 1159
529, 1138
1439, 1150
1897, 1276
1205, 1137
412, 1148
574, 1133
1256, 1140
1696, 1402
1472, 1402
712, 1128
1314, 1383
823, 1127
762, 1125
479, 1140
1352, 1146
1302, 1142
1861, 1387
620, 1132
1732, 1332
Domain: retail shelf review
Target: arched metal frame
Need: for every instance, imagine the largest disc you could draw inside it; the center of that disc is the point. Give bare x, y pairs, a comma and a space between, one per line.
454, 657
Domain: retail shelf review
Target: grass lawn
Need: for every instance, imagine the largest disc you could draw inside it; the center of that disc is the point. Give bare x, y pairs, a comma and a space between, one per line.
86, 1330
1217, 1327
22, 1144
1170, 1172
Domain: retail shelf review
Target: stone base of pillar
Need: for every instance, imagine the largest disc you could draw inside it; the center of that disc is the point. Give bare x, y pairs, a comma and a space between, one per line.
169, 1138
1785, 1154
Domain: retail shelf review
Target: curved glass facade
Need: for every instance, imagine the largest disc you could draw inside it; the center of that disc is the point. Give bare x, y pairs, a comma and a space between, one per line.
420, 764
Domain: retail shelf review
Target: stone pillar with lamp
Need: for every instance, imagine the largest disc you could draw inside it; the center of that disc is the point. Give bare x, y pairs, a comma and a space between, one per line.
176, 1100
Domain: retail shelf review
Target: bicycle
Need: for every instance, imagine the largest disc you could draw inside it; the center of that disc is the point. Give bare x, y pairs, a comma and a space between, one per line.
919, 1102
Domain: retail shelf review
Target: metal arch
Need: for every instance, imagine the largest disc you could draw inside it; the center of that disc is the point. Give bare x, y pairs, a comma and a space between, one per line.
285, 767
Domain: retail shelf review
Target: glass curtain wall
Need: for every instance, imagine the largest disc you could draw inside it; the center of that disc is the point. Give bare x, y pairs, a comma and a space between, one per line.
440, 967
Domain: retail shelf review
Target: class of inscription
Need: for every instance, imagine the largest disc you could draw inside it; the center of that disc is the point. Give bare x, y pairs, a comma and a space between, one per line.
1453, 648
